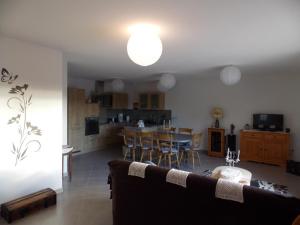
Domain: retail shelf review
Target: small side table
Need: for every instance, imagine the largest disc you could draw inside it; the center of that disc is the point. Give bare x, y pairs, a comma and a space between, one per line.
68, 152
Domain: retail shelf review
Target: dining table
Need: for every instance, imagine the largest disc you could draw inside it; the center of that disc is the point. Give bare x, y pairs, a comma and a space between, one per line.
177, 138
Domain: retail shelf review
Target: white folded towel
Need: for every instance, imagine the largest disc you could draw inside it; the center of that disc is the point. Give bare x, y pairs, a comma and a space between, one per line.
177, 177
137, 169
229, 190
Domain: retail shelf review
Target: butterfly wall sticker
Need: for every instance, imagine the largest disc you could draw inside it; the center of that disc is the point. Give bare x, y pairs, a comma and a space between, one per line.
26, 141
7, 77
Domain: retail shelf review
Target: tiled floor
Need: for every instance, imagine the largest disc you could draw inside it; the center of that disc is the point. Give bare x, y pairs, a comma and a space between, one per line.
85, 201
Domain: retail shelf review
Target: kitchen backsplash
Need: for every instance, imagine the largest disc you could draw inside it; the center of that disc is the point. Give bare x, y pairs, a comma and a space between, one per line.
150, 117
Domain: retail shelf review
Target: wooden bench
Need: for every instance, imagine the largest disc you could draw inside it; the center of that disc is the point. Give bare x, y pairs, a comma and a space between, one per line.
23, 206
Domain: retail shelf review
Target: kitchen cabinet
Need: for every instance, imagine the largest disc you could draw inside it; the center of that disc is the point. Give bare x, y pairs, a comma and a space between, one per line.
78, 111
114, 100
265, 147
76, 108
144, 101
119, 100
92, 110
152, 100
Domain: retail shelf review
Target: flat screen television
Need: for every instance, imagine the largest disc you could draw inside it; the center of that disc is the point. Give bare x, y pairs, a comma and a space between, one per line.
268, 122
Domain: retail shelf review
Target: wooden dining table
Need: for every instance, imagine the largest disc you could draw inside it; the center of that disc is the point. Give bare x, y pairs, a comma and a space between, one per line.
178, 138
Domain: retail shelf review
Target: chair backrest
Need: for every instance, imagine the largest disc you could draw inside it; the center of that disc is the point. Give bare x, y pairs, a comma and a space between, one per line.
185, 130
164, 141
173, 129
146, 138
196, 140
129, 137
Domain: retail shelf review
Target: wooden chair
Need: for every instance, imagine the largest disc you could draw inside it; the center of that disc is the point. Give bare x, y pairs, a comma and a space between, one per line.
166, 148
172, 129
185, 130
130, 143
146, 143
193, 149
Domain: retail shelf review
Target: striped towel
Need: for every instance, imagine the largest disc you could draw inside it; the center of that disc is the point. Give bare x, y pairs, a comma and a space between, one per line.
137, 169
229, 190
177, 177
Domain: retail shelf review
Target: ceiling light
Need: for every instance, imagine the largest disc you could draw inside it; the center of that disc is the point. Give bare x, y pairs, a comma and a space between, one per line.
144, 46
230, 75
166, 82
117, 85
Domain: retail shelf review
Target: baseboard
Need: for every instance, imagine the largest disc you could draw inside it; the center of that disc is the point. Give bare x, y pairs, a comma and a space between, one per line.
85, 152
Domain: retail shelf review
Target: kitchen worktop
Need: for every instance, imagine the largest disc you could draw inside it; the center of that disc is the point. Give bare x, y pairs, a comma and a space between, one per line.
125, 124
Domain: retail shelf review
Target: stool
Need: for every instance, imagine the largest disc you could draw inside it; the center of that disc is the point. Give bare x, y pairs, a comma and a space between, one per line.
68, 152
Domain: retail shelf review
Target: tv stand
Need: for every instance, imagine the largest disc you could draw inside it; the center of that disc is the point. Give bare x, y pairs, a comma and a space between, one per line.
265, 147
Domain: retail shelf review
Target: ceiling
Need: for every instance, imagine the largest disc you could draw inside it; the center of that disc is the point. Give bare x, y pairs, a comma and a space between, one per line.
197, 35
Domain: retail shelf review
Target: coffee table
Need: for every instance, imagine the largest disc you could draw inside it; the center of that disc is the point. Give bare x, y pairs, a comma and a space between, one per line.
234, 174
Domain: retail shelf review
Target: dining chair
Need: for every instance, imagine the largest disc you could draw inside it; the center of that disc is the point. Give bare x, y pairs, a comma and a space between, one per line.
185, 130
130, 143
166, 148
146, 143
192, 149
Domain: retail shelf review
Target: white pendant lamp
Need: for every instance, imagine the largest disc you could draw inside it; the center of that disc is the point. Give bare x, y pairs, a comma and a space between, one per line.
144, 46
117, 85
166, 82
230, 75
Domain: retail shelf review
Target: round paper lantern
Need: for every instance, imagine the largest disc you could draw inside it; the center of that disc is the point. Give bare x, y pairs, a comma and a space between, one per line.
144, 47
117, 85
161, 88
230, 75
166, 82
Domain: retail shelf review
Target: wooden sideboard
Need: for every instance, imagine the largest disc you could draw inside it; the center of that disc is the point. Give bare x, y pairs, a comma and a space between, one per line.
264, 146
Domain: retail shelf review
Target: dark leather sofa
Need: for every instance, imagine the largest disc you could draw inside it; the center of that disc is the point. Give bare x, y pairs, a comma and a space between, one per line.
152, 201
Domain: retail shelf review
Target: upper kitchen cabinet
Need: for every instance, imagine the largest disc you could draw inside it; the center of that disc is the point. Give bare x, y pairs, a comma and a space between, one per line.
114, 100
152, 100
144, 101
119, 100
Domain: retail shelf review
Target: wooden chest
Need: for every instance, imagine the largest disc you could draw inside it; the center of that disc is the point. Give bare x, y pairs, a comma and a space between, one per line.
23, 206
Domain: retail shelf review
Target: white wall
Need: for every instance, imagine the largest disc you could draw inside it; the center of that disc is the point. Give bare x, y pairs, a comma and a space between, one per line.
65, 111
193, 98
42, 69
65, 101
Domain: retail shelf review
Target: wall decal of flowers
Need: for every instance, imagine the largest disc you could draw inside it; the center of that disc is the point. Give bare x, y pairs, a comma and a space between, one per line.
27, 142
